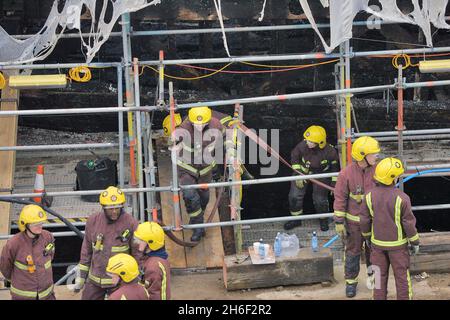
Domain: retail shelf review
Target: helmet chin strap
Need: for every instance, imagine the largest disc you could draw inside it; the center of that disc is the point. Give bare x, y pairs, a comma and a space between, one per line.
110, 221
36, 236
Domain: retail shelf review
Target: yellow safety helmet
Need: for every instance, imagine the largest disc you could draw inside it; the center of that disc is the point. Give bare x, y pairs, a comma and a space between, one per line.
112, 197
167, 126
316, 134
200, 115
363, 146
387, 170
31, 214
124, 266
152, 233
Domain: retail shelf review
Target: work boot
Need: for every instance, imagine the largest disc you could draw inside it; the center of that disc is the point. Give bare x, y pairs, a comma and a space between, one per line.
292, 224
324, 224
198, 234
350, 290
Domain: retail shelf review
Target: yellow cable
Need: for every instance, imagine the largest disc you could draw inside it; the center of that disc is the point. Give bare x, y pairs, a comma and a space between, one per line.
2, 81
187, 79
80, 74
407, 60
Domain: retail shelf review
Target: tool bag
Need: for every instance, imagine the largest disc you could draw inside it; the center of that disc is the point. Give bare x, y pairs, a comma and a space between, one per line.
96, 174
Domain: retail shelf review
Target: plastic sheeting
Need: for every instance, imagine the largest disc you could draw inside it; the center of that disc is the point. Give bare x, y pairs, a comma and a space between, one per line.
343, 12
40, 45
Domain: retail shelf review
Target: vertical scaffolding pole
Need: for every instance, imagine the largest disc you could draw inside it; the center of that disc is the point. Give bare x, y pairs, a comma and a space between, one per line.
234, 174
400, 126
348, 103
125, 21
340, 74
175, 187
140, 171
161, 80
120, 116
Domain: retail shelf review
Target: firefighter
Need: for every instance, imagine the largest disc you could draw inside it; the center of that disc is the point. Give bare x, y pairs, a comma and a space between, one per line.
225, 120
352, 184
198, 139
312, 155
26, 260
149, 237
107, 233
388, 224
124, 271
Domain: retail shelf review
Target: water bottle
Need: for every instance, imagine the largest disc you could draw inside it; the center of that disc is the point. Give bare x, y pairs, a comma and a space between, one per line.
277, 245
261, 252
314, 242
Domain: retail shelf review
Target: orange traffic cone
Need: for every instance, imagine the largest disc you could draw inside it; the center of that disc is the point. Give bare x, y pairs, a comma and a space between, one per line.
39, 183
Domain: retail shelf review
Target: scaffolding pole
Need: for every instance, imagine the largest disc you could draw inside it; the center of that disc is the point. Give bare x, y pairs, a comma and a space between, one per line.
120, 124
405, 133
139, 171
60, 147
126, 42
252, 221
400, 127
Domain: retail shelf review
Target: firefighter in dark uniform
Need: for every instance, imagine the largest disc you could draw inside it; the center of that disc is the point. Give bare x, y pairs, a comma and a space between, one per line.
311, 156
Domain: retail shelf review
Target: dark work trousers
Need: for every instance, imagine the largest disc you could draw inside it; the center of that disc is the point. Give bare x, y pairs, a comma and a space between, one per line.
319, 195
399, 260
354, 243
195, 200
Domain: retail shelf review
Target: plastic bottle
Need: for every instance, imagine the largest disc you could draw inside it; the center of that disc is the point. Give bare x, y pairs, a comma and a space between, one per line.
262, 253
277, 245
314, 242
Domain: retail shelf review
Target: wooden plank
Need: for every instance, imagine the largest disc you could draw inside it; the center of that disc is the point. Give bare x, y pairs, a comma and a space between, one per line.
8, 137
177, 256
306, 268
209, 252
435, 242
430, 262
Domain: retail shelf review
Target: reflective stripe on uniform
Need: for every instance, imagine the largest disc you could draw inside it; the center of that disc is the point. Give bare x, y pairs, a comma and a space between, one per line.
163, 281
296, 213
351, 281
334, 179
48, 264
225, 119
367, 234
340, 214
296, 166
20, 266
357, 197
397, 215
195, 171
120, 249
207, 169
324, 162
82, 267
410, 292
32, 294
100, 280
414, 238
195, 213
123, 297
352, 217
186, 166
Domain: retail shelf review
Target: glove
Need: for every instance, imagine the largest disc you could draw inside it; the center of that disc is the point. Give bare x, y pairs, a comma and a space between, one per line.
340, 230
79, 284
414, 249
300, 183
368, 244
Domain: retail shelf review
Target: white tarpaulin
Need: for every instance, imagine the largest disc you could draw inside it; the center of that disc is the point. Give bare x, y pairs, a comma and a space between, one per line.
343, 12
40, 45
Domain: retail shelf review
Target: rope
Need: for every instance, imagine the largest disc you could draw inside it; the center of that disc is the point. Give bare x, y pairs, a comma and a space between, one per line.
187, 79
80, 74
2, 81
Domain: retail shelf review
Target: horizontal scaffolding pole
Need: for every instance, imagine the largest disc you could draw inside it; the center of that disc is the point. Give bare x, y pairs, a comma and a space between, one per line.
46, 112
60, 147
216, 30
300, 56
253, 221
405, 133
11, 66
415, 137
